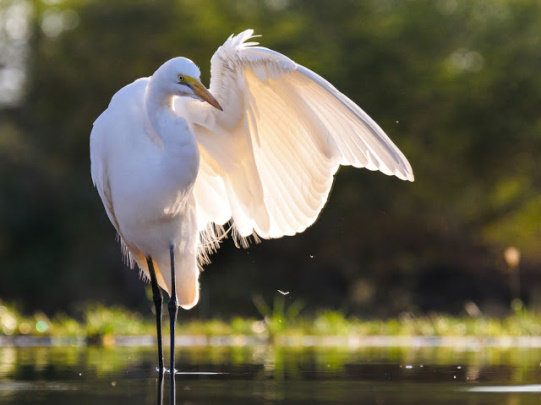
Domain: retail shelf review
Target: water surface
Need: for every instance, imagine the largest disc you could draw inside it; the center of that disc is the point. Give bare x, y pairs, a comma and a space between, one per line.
265, 375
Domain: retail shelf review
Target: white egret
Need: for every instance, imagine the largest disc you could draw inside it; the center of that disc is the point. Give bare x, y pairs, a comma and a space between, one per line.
260, 153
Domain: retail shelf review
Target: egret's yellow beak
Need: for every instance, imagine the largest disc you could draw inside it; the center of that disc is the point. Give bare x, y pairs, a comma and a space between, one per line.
201, 92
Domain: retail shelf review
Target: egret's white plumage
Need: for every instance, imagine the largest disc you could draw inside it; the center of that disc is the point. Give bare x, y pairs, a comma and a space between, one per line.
171, 169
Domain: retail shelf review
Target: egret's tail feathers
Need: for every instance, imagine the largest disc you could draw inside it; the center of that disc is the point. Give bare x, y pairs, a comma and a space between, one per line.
188, 294
186, 273
187, 284
186, 277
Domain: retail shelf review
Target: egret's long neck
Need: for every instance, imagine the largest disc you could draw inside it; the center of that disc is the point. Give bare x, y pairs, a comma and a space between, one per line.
180, 152
159, 106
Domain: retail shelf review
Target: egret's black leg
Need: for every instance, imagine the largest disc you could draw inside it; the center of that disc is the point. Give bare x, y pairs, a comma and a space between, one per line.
173, 309
157, 298
160, 388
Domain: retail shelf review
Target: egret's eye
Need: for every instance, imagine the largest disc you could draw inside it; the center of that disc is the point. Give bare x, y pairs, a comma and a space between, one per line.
181, 79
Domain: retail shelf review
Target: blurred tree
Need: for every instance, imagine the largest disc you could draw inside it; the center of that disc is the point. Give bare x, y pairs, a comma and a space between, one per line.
454, 83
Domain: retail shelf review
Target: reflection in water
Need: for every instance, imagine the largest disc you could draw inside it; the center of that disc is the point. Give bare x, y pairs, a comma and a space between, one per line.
173, 382
266, 374
160, 387
511, 388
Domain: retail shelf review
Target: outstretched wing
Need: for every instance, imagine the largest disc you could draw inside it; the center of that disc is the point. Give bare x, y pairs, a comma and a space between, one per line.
268, 160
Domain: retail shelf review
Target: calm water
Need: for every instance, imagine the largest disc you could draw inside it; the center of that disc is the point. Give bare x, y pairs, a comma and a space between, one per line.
267, 375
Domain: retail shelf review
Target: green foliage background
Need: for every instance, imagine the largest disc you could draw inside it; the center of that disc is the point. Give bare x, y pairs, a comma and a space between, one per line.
454, 83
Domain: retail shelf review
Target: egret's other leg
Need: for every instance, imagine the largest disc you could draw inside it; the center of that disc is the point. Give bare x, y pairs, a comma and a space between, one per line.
160, 388
157, 298
173, 309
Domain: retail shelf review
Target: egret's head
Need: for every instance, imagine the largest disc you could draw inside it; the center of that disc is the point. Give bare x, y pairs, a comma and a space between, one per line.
181, 77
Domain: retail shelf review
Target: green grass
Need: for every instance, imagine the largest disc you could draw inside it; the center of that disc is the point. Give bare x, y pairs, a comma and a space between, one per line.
98, 322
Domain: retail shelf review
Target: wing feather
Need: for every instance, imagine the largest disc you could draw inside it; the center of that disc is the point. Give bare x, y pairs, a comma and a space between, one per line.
268, 160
